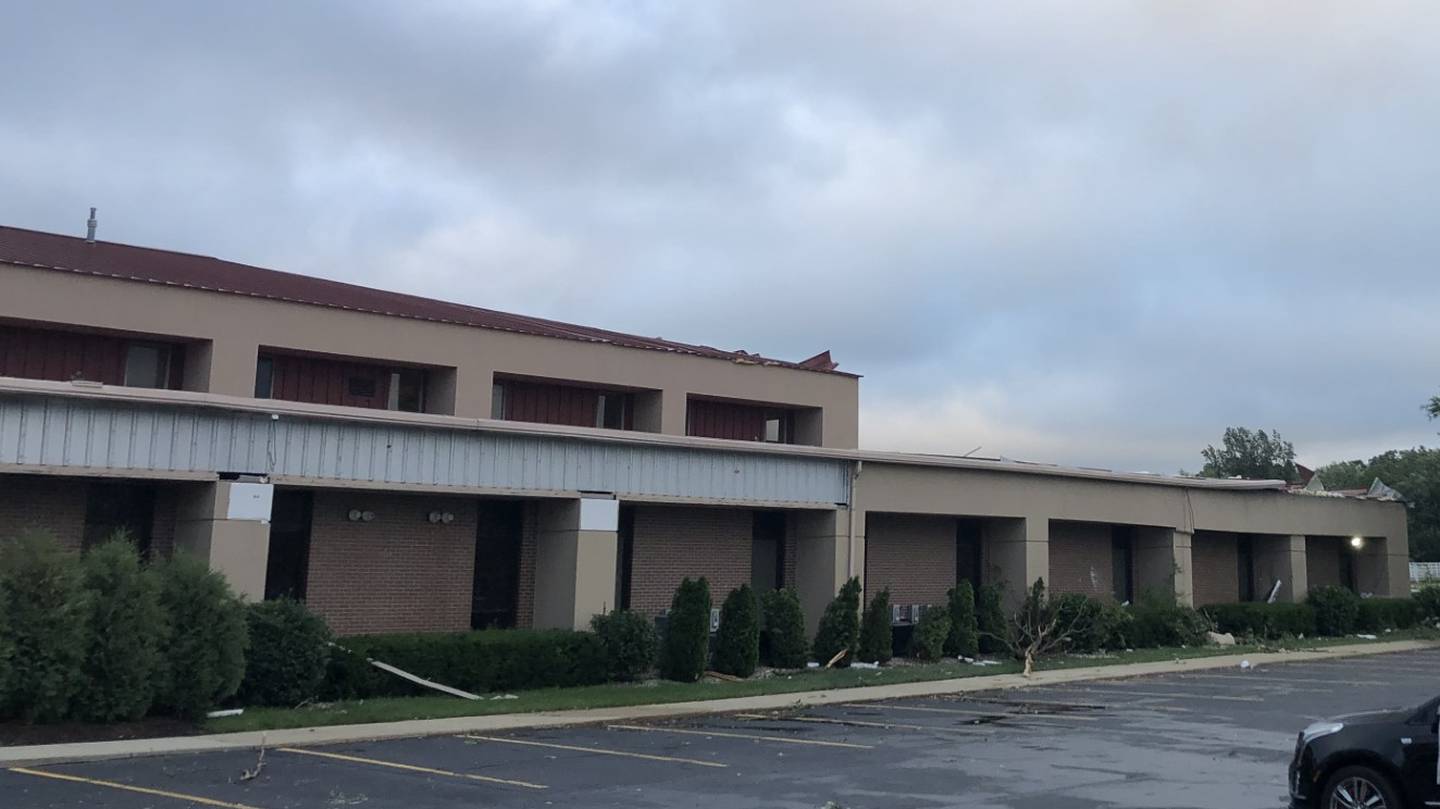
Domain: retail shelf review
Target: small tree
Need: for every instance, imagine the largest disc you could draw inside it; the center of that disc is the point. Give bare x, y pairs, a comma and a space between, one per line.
46, 611
126, 628
876, 641
289, 651
788, 648
840, 626
205, 648
928, 641
990, 618
964, 637
1039, 628
737, 649
630, 644
687, 634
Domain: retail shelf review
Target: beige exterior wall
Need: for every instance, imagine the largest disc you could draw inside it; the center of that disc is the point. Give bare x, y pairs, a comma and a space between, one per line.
1164, 562
236, 548
232, 328
574, 568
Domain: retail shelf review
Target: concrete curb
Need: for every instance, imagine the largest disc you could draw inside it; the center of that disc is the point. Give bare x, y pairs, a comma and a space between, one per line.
296, 737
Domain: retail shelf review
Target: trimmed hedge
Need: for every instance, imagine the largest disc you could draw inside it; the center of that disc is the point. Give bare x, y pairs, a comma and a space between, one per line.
840, 626
289, 650
630, 644
964, 637
1380, 614
786, 646
737, 645
487, 660
686, 648
125, 627
1158, 621
1337, 610
46, 612
876, 640
1262, 621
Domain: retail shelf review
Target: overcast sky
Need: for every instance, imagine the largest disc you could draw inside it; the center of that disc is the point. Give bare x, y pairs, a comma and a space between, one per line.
1090, 233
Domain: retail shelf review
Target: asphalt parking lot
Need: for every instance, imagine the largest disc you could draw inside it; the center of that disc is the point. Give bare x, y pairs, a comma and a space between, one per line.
1204, 739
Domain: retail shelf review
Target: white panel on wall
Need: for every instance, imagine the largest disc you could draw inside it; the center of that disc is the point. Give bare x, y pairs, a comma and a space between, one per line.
599, 514
250, 501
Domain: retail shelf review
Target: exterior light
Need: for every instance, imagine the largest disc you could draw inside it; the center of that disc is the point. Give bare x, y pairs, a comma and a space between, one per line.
1357, 542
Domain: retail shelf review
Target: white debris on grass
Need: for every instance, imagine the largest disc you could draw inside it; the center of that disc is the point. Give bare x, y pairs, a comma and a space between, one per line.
1366, 637
1245, 665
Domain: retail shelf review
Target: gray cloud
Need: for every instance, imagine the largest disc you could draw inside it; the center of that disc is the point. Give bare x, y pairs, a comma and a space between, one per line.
1092, 237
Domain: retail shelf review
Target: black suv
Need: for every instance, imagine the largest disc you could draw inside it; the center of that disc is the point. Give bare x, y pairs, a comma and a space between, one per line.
1378, 760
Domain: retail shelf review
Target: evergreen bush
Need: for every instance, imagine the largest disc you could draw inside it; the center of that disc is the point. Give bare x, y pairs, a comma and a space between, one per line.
630, 644
928, 641
288, 655
840, 626
876, 640
964, 637
990, 617
737, 648
787, 646
204, 651
687, 635
1337, 610
1084, 614
125, 628
46, 610
1156, 620
1428, 599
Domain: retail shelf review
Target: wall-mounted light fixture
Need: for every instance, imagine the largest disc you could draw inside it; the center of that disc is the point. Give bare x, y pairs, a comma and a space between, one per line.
440, 517
356, 515
1357, 542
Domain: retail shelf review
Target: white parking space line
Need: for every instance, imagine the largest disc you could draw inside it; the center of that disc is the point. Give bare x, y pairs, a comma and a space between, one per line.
396, 765
821, 720
1277, 680
725, 734
1121, 691
961, 712
602, 751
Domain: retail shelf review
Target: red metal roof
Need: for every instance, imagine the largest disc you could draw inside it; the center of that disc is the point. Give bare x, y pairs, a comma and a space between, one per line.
51, 251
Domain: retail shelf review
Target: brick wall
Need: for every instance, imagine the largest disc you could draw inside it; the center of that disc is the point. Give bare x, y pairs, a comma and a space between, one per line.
791, 552
911, 554
1322, 561
672, 542
52, 504
398, 573
525, 588
162, 530
1214, 559
1080, 560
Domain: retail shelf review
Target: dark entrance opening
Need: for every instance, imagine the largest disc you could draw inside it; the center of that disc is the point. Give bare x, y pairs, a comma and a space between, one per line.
496, 584
767, 551
1347, 567
288, 567
625, 556
128, 507
968, 558
1122, 568
1245, 566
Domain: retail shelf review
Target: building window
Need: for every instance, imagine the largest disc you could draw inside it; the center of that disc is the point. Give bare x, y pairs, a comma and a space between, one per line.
1121, 569
612, 411
1245, 567
264, 377
497, 401
147, 365
407, 390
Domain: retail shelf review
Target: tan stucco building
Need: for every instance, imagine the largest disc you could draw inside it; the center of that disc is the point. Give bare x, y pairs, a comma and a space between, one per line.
406, 464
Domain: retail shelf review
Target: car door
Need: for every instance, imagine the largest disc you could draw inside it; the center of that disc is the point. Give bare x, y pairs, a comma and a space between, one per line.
1422, 756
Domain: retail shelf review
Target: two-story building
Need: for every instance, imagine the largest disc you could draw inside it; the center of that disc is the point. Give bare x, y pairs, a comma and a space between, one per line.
411, 464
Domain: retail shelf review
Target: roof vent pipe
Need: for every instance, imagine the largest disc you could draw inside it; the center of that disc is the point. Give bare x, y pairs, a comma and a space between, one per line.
90, 227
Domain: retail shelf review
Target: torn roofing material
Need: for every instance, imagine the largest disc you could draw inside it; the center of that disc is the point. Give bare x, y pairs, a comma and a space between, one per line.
51, 251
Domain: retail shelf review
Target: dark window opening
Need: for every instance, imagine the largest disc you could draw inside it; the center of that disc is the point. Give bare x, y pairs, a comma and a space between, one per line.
1122, 568
968, 548
116, 507
625, 558
1245, 567
1347, 567
287, 568
613, 411
264, 377
708, 418
296, 378
556, 403
767, 551
407, 390
147, 365
61, 356
495, 590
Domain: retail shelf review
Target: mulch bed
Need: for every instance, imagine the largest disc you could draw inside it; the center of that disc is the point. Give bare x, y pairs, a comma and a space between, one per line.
18, 733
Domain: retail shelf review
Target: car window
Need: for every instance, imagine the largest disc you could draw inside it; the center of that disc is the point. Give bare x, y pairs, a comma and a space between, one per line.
1425, 714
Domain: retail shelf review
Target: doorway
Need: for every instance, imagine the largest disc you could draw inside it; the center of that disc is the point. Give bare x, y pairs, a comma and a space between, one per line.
767, 551
495, 587
287, 568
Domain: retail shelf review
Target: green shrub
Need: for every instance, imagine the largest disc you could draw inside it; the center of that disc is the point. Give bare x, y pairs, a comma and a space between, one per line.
1337, 610
840, 626
487, 660
1114, 625
990, 617
204, 651
1380, 614
1261, 621
928, 640
125, 627
1158, 621
877, 641
46, 611
737, 646
288, 655
964, 637
1082, 616
6, 646
630, 644
687, 635
1428, 599
786, 644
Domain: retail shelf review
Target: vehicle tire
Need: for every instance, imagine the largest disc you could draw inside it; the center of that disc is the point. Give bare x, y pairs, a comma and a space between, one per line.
1358, 787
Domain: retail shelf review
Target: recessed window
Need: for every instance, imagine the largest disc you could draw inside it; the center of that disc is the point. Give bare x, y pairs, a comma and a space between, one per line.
361, 387
611, 410
264, 377
497, 401
407, 390
147, 365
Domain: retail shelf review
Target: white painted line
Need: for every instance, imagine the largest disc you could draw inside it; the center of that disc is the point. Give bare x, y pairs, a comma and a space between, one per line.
395, 765
969, 729
179, 796
597, 750
1124, 692
722, 734
960, 712
1276, 680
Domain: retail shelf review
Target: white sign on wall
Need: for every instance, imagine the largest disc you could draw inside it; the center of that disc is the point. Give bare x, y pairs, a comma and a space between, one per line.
599, 514
250, 501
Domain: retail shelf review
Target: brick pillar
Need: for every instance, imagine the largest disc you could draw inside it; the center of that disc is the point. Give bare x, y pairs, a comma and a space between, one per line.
227, 524
575, 561
1162, 562
1280, 557
822, 559
1016, 552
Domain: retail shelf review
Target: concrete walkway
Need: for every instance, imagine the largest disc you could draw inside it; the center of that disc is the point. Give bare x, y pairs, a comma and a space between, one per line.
295, 737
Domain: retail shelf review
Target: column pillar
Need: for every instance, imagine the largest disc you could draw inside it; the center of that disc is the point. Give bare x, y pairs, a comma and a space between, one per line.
822, 559
1163, 563
1016, 552
1379, 571
1280, 558
575, 558
227, 524
222, 366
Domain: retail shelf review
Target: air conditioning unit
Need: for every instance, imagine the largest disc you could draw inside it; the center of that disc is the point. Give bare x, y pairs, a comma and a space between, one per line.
896, 614
714, 619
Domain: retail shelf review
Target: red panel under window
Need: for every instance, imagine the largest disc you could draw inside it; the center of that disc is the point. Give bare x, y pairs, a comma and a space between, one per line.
322, 381
61, 356
551, 404
737, 422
